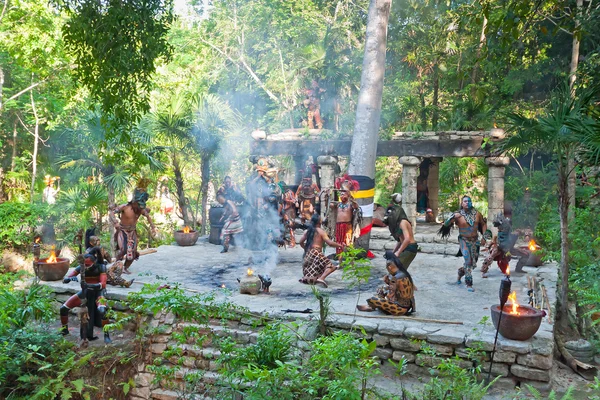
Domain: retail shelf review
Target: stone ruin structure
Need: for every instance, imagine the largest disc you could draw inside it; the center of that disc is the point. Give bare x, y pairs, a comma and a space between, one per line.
412, 149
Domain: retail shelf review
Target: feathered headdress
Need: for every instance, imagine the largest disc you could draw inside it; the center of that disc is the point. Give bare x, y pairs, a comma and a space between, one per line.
346, 183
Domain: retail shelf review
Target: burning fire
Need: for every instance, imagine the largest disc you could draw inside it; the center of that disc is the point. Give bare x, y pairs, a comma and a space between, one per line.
186, 229
513, 299
223, 286
52, 258
38, 240
250, 271
508, 270
533, 246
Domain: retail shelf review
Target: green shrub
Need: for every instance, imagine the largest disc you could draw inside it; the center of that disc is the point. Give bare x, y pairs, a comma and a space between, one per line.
18, 223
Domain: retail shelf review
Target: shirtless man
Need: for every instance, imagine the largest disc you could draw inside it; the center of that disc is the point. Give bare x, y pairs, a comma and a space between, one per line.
316, 267
125, 231
469, 222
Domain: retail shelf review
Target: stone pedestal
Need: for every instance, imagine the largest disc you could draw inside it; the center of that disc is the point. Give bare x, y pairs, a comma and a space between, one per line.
327, 166
495, 188
410, 172
433, 185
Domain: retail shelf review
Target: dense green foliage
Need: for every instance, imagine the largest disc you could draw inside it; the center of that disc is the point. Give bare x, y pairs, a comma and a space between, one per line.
19, 221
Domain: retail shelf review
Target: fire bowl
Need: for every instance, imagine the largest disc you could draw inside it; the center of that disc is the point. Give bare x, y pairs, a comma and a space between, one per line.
517, 327
52, 271
186, 239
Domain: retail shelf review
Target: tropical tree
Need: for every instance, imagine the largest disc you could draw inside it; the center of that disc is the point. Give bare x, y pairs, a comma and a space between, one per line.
566, 127
173, 126
215, 121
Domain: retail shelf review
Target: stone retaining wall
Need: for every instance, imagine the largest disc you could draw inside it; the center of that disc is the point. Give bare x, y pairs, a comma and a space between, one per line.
515, 362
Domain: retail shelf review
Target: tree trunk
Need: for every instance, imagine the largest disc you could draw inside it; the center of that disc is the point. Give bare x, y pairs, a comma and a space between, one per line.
205, 168
36, 135
572, 79
13, 159
181, 200
482, 39
563, 199
435, 101
368, 109
110, 194
2, 194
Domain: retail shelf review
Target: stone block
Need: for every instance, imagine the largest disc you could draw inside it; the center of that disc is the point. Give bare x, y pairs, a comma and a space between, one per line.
535, 361
142, 392
447, 336
405, 344
383, 354
253, 338
160, 339
381, 340
414, 332
504, 385
189, 362
210, 354
516, 346
507, 357
341, 322
392, 328
140, 367
143, 379
243, 336
213, 366
202, 364
427, 360
161, 394
158, 348
169, 318
533, 374
399, 355
418, 371
498, 369
543, 387
441, 349
368, 326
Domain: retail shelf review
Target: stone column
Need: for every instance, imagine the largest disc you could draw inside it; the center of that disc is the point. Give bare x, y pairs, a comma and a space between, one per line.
327, 165
496, 171
410, 172
433, 185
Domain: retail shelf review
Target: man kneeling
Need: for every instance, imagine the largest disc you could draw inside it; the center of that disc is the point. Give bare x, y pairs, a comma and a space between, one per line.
397, 296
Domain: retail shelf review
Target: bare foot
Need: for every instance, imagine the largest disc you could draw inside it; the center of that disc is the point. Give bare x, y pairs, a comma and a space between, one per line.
126, 271
322, 282
484, 276
364, 308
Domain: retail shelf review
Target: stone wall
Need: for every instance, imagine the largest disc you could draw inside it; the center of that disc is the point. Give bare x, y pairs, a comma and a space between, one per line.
515, 362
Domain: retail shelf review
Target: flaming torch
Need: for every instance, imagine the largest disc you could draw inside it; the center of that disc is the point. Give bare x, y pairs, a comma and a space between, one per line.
504, 294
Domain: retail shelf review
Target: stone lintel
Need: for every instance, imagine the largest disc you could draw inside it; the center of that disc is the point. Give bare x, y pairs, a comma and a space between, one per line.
462, 147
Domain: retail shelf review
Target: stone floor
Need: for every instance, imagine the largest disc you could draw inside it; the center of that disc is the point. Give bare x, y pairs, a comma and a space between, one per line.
203, 268
445, 310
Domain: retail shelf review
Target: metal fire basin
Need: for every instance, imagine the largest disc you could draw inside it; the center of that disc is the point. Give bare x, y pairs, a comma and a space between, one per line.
55, 271
517, 327
186, 239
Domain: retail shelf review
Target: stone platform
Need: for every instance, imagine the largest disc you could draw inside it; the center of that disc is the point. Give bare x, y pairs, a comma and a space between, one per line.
448, 318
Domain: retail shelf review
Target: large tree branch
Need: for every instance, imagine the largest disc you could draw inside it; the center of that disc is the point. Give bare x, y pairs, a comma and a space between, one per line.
24, 91
241, 62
